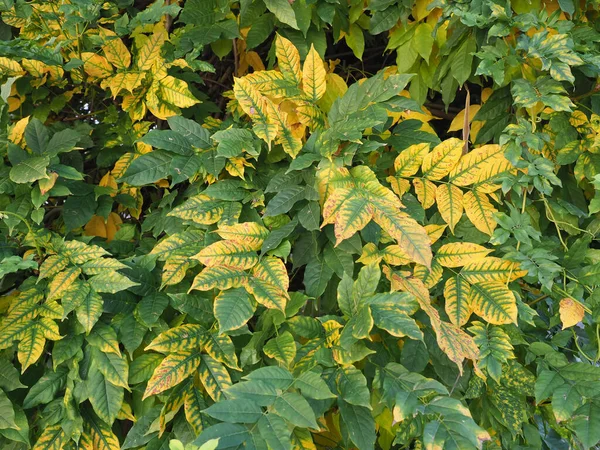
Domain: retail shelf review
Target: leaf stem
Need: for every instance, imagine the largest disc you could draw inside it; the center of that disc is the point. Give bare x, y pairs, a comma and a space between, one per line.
22, 219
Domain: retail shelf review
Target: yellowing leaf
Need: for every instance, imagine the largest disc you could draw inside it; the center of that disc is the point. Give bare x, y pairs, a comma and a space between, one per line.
251, 233
494, 302
31, 346
442, 159
492, 269
200, 209
288, 59
214, 377
10, 67
456, 293
219, 277
458, 254
411, 236
232, 254
17, 131
127, 81
62, 281
407, 163
425, 191
116, 52
176, 92
179, 339
450, 204
313, 75
571, 312
96, 66
352, 216
256, 106
480, 211
150, 51
466, 172
172, 370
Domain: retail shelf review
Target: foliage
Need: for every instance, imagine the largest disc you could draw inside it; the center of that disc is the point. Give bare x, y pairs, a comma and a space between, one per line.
238, 224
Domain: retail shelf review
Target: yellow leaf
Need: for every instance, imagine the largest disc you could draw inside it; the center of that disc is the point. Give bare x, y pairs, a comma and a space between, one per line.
480, 211
17, 131
336, 87
10, 67
35, 68
457, 254
442, 159
150, 51
571, 312
425, 191
450, 204
127, 81
116, 52
459, 120
96, 66
288, 59
453, 341
409, 160
313, 75
434, 231
107, 229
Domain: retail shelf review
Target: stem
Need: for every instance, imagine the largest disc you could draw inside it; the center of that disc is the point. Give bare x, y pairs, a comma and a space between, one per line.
579, 348
551, 217
22, 219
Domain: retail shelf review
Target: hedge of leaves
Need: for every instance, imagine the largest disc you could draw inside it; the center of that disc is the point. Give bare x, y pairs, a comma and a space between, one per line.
303, 224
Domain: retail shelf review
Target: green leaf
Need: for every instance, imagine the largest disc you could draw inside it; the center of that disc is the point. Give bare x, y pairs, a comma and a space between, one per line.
36, 136
105, 397
7, 413
232, 309
9, 376
352, 387
30, 170
230, 435
197, 135
296, 410
312, 385
277, 376
258, 391
275, 432
170, 141
235, 411
283, 11
46, 388
63, 141
462, 60
148, 168
586, 422
114, 367
282, 348
359, 424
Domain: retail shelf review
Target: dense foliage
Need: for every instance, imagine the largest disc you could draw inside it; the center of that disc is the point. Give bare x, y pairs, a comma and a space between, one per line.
273, 224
